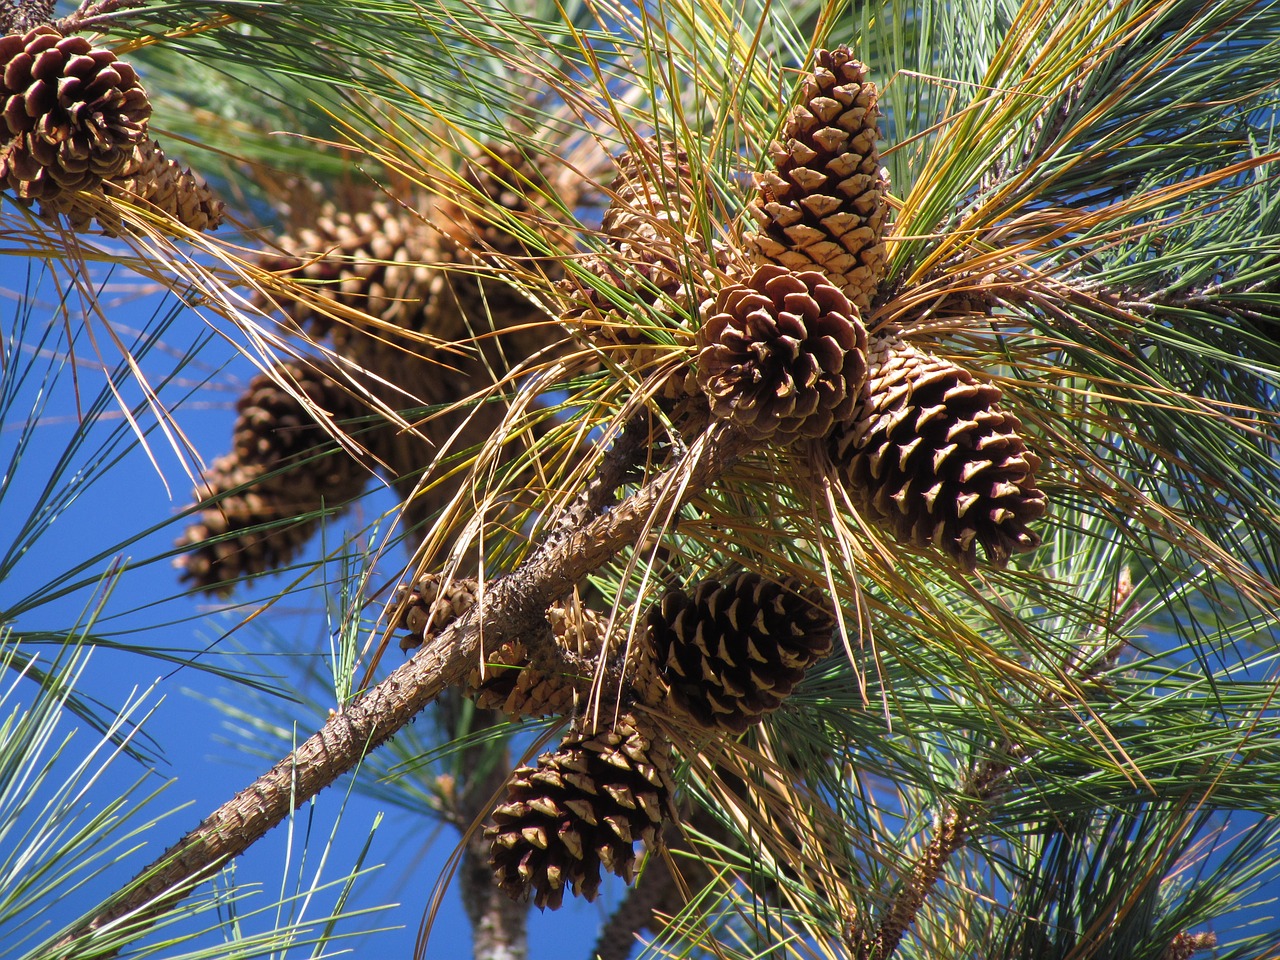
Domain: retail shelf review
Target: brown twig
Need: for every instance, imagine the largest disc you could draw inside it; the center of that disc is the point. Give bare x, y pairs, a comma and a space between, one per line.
513, 606
951, 833
90, 12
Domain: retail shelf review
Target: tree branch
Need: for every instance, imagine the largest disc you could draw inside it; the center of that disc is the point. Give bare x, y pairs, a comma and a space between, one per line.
512, 606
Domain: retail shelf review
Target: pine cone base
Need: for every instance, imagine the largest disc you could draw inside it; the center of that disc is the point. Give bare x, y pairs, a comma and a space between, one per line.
71, 114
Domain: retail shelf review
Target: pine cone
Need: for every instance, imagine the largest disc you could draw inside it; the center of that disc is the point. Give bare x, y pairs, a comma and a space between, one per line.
151, 178
581, 808
429, 607
72, 114
372, 254
734, 651
283, 465
782, 356
656, 250
519, 685
930, 457
823, 206
651, 221
508, 177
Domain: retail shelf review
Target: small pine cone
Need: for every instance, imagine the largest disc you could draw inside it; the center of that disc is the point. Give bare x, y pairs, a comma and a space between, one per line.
783, 356
519, 686
508, 177
283, 466
72, 114
151, 178
581, 808
429, 607
823, 205
930, 457
372, 254
651, 220
734, 651
655, 249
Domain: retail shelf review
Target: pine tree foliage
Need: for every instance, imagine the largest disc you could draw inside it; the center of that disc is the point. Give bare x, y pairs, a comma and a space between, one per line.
562, 350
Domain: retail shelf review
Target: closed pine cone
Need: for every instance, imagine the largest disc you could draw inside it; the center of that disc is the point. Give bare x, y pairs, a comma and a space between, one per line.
369, 253
782, 356
580, 809
283, 465
734, 651
72, 114
931, 458
505, 176
151, 179
823, 205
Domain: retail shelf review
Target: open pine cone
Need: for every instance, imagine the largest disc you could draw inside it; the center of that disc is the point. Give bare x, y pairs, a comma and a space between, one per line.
823, 205
72, 114
283, 465
152, 179
931, 458
579, 809
734, 651
783, 356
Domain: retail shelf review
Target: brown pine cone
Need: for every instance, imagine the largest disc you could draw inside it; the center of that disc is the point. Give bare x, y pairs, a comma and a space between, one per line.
72, 114
581, 808
372, 254
284, 465
783, 356
931, 458
506, 176
152, 179
735, 650
429, 607
519, 685
823, 205
656, 250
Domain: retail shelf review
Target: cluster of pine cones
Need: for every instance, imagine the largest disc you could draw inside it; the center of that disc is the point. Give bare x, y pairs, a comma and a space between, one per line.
783, 351
713, 662
768, 333
74, 131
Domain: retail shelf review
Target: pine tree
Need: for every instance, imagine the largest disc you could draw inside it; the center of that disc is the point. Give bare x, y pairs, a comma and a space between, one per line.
855, 426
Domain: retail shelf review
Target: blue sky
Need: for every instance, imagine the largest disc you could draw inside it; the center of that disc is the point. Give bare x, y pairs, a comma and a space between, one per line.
199, 748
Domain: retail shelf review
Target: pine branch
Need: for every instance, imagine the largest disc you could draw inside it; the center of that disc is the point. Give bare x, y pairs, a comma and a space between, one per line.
512, 606
952, 832
955, 825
